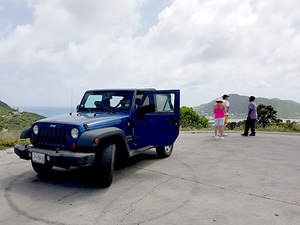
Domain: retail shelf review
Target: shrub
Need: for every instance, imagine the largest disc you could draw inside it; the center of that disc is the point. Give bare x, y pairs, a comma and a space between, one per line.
291, 125
190, 119
231, 125
9, 138
236, 125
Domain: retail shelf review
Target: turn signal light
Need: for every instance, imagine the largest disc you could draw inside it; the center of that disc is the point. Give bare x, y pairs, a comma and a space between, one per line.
73, 145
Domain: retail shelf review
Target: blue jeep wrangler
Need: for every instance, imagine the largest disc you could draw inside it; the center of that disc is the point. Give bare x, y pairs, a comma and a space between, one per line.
109, 125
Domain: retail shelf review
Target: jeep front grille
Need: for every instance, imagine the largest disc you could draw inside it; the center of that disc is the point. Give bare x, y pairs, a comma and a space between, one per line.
52, 137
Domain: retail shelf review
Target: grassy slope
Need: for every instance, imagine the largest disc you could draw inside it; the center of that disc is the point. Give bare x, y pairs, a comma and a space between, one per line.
12, 123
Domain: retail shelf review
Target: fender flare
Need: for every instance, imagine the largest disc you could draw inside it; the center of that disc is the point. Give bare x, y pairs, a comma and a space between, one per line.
87, 139
25, 133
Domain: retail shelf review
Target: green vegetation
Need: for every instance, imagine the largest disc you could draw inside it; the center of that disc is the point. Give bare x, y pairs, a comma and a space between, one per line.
189, 119
288, 126
8, 140
267, 121
12, 123
17, 121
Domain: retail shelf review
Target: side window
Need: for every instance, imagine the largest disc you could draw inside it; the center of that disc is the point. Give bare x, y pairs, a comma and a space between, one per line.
159, 103
165, 102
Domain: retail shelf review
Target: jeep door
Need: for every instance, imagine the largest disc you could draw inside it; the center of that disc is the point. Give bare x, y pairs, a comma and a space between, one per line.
156, 121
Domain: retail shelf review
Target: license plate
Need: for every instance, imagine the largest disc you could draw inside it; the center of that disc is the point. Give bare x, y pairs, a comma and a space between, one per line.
38, 158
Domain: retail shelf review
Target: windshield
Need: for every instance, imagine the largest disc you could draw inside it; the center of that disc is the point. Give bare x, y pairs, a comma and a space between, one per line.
109, 100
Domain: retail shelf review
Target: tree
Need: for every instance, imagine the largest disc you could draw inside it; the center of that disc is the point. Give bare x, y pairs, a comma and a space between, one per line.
292, 125
189, 118
267, 115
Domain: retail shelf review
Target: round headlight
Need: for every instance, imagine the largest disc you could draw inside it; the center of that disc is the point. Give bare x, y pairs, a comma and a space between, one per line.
74, 133
35, 129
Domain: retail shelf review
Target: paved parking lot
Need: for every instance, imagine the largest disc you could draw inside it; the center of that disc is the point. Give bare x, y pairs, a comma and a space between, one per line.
240, 180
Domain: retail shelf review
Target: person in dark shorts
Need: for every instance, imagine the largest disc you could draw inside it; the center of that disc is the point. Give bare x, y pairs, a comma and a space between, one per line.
251, 118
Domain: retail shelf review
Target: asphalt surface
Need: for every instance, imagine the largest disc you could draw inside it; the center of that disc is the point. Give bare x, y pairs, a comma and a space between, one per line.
239, 180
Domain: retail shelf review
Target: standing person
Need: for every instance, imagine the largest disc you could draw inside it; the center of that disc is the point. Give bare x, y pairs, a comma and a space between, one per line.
219, 109
226, 103
251, 118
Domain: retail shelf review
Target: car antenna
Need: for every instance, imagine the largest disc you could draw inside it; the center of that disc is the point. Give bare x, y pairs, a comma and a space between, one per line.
71, 97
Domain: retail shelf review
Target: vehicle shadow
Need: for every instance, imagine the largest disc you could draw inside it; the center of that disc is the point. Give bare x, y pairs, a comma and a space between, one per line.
83, 178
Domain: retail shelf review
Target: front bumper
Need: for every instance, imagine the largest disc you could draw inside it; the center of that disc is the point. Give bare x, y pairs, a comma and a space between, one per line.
59, 158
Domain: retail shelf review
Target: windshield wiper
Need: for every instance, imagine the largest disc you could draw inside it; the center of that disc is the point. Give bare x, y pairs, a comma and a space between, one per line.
90, 110
108, 109
103, 107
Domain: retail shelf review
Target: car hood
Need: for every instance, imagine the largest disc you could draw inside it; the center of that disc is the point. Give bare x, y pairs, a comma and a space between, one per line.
90, 119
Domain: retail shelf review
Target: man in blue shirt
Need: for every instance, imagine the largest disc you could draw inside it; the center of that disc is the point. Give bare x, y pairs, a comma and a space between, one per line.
251, 118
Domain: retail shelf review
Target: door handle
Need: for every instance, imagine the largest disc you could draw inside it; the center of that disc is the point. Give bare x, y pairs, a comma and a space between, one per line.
173, 120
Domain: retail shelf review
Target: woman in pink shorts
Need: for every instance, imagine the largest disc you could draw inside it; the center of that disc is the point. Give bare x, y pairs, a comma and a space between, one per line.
219, 109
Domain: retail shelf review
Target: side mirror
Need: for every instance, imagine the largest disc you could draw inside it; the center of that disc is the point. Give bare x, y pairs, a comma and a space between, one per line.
145, 109
141, 112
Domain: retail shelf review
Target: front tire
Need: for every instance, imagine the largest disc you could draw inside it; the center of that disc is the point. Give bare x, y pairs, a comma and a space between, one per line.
164, 151
104, 166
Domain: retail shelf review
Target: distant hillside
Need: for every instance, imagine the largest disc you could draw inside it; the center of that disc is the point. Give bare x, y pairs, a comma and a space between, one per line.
238, 107
11, 119
4, 108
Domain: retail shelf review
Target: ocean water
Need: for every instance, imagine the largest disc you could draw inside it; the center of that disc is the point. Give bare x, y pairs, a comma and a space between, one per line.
47, 111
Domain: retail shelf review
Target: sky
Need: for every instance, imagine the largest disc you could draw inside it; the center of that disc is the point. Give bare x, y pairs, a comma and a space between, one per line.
52, 51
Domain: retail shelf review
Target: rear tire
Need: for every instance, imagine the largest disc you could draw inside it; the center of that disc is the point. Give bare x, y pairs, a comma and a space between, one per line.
164, 151
41, 169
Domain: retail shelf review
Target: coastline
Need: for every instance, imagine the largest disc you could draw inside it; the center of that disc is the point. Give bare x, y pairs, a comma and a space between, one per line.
47, 111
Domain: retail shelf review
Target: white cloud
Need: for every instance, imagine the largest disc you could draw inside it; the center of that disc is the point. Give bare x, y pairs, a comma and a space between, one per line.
205, 48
